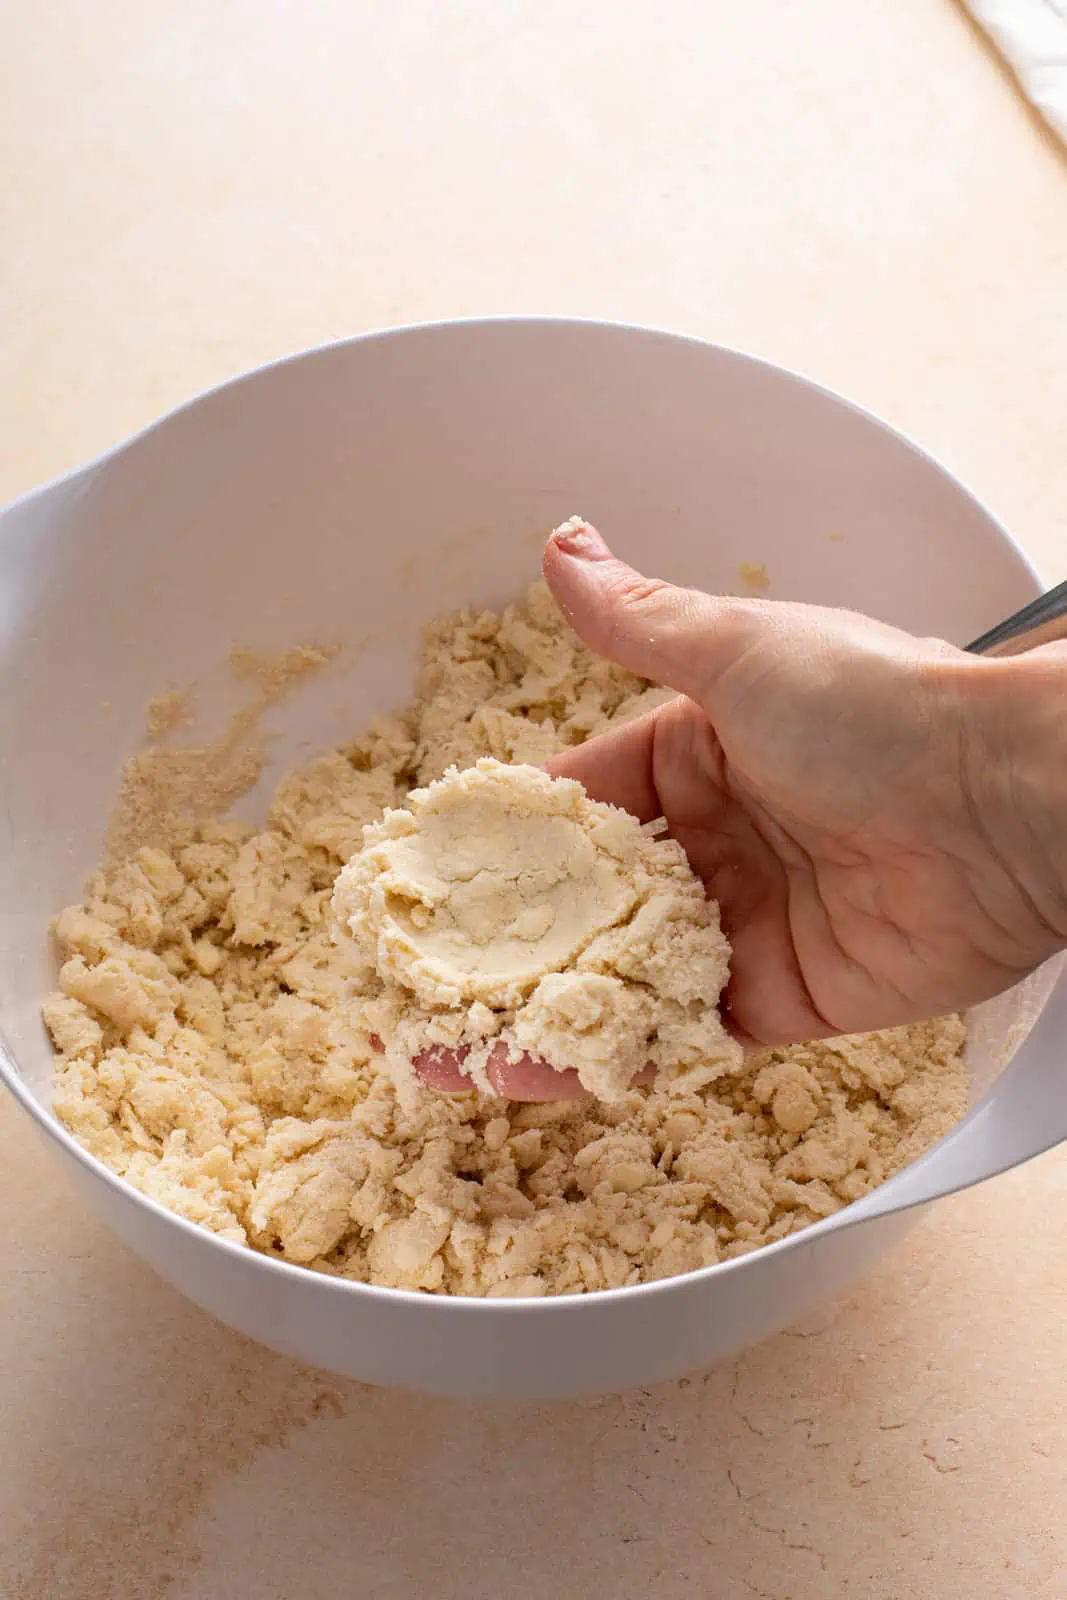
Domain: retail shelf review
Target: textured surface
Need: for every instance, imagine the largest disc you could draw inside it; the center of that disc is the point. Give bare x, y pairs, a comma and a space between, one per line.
209, 1054
505, 910
188, 190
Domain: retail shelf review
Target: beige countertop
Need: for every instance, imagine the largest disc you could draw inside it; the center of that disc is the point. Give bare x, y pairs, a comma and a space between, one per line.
853, 190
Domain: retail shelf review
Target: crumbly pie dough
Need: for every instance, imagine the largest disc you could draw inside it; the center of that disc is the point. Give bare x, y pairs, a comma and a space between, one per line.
208, 1050
504, 907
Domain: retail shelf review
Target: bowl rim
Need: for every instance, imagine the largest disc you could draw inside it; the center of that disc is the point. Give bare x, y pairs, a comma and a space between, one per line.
443, 1305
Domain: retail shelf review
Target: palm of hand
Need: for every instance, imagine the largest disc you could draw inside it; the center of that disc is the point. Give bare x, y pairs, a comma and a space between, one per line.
830, 822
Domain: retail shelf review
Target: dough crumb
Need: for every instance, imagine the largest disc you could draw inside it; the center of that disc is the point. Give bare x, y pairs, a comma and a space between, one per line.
168, 789
208, 1052
168, 712
276, 672
753, 575
503, 907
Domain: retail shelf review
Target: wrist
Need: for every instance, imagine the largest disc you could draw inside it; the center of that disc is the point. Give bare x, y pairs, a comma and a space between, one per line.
1012, 721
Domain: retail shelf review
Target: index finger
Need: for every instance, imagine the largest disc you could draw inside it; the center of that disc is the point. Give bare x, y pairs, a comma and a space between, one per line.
616, 767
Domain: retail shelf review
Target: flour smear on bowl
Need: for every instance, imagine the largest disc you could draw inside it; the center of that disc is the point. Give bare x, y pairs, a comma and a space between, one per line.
201, 1056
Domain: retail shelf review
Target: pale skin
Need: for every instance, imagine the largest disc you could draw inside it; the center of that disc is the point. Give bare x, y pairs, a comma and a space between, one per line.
879, 817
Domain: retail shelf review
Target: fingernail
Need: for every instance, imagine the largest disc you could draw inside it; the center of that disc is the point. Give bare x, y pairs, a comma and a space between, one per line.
576, 537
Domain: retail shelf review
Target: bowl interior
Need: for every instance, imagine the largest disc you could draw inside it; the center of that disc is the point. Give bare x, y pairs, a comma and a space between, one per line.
350, 494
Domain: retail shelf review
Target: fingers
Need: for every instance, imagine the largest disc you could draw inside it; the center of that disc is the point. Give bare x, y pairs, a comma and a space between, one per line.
676, 637
531, 1079
617, 768
528, 1078
439, 1069
525, 1079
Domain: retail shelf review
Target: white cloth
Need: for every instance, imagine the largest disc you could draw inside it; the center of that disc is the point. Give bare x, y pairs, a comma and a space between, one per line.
1031, 35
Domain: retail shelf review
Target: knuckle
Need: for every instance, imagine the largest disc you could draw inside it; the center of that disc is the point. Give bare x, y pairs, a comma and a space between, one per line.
637, 607
635, 593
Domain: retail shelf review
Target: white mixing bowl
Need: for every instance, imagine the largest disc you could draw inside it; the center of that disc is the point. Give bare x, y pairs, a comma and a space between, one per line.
351, 493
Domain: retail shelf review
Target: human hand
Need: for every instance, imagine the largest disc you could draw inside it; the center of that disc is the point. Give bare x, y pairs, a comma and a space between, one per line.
877, 815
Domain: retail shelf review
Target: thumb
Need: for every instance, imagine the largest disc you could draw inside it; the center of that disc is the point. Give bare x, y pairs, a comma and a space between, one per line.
677, 637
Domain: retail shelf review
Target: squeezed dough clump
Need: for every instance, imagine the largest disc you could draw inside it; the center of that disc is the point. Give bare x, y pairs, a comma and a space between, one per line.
206, 1052
504, 907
